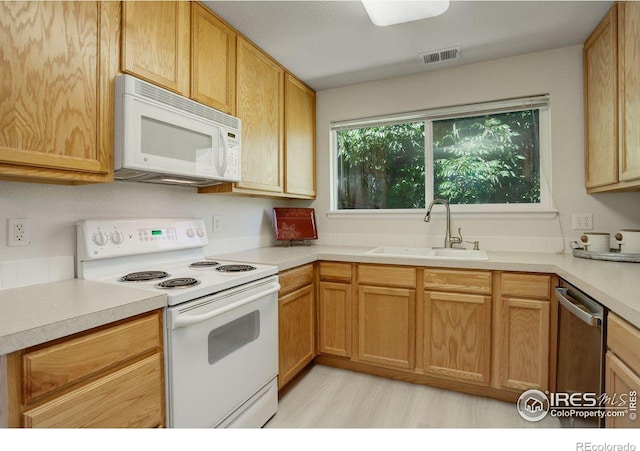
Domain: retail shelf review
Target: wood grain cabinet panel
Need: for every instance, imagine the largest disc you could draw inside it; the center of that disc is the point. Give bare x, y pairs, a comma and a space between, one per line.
295, 278
524, 338
56, 366
456, 334
260, 106
623, 340
334, 319
612, 101
56, 113
388, 276
620, 379
213, 60
130, 397
629, 89
156, 42
457, 280
335, 272
296, 333
601, 112
111, 376
386, 326
300, 139
526, 285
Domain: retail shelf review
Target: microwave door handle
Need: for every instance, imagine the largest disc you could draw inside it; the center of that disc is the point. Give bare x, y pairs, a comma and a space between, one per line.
222, 155
188, 320
591, 318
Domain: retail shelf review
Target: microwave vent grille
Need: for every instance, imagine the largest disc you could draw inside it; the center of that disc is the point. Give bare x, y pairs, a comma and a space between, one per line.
184, 104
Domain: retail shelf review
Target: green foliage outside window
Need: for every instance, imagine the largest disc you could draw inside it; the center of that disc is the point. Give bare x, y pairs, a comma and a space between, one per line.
490, 159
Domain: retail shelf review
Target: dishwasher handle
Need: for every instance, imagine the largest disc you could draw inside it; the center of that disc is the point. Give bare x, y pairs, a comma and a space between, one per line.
592, 318
188, 320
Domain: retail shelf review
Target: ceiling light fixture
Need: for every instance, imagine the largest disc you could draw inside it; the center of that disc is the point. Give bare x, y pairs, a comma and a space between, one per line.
383, 13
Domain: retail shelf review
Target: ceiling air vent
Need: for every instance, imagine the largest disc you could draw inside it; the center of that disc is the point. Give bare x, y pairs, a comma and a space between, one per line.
438, 56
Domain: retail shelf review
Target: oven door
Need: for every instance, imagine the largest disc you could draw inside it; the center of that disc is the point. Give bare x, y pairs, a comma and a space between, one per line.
222, 350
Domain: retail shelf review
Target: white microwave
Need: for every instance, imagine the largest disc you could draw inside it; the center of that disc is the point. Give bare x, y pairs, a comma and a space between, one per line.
162, 137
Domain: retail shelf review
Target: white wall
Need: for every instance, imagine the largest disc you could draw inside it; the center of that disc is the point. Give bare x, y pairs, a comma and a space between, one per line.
54, 209
556, 72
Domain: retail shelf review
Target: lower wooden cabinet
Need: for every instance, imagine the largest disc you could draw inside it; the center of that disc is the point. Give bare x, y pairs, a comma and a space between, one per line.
456, 336
622, 369
109, 377
386, 326
334, 319
296, 322
524, 347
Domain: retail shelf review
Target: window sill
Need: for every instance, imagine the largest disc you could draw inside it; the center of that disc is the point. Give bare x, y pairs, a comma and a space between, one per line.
478, 213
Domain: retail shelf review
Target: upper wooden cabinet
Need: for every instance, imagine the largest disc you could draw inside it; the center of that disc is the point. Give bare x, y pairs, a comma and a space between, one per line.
612, 101
156, 41
300, 139
213, 60
56, 114
260, 85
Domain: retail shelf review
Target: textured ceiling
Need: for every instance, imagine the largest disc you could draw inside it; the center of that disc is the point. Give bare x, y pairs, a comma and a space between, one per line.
333, 43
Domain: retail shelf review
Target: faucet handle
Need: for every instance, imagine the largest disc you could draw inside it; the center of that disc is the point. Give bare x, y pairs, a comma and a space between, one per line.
476, 245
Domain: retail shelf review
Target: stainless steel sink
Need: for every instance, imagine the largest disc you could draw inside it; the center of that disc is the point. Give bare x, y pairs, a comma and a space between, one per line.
429, 253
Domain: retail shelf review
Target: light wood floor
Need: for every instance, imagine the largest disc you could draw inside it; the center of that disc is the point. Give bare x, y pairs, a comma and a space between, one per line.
327, 397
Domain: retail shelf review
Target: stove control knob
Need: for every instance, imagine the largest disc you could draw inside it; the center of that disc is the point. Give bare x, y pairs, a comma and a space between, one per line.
117, 237
200, 232
190, 232
100, 238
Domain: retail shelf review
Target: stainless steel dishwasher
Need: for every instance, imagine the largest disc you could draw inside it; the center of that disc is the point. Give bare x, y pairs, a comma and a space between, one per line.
581, 348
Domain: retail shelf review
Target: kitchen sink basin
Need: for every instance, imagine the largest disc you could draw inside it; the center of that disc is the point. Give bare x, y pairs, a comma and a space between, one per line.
429, 253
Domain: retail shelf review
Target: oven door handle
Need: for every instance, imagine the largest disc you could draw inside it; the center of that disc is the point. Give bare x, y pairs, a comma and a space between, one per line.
591, 318
188, 320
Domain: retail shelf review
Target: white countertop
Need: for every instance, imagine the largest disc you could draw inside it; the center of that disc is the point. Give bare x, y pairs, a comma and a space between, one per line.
615, 285
39, 313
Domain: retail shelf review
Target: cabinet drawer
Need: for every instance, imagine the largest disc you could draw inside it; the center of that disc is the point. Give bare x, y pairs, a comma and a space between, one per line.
461, 281
296, 278
526, 285
389, 276
336, 272
53, 367
623, 340
130, 397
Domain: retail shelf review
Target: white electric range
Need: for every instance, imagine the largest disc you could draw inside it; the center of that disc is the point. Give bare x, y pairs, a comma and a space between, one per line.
221, 323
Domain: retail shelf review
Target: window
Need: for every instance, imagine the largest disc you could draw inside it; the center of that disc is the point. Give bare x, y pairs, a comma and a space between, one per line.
476, 157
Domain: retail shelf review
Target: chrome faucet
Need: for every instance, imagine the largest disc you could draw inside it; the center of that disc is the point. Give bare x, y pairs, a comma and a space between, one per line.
449, 240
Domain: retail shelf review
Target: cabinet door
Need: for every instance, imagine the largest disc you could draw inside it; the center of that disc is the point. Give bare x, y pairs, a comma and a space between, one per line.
56, 114
296, 333
260, 105
213, 60
155, 42
300, 150
629, 97
131, 397
524, 344
386, 326
334, 317
457, 336
600, 103
620, 379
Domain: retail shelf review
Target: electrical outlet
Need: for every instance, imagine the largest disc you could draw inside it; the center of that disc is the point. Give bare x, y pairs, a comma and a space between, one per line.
582, 221
19, 232
216, 223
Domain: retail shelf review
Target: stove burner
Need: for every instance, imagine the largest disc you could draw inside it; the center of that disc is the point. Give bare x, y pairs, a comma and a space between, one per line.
203, 264
143, 276
235, 268
180, 282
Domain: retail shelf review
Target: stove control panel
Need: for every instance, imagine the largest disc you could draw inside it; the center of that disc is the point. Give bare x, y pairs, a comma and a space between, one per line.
104, 238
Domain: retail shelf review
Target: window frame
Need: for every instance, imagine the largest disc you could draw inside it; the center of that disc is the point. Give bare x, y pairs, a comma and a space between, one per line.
544, 209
